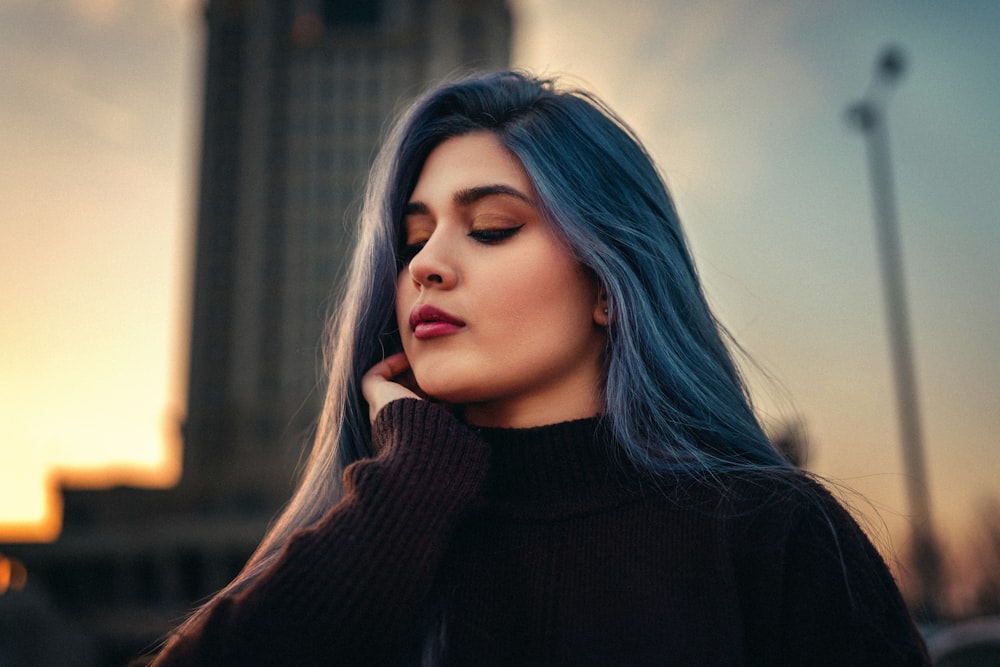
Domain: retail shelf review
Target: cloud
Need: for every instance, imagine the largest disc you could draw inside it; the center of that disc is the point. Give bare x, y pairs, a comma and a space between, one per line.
173, 11
99, 12
687, 77
60, 87
110, 121
105, 13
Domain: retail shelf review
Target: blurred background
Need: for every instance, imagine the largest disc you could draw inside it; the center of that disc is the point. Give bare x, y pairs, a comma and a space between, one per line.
178, 179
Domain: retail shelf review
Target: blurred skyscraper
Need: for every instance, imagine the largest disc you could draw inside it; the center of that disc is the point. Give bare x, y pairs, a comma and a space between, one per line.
290, 126
296, 95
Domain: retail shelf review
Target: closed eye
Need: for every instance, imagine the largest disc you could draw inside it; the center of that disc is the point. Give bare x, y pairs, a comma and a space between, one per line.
493, 236
490, 236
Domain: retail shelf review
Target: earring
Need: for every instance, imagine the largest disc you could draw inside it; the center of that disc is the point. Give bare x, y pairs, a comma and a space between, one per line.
605, 311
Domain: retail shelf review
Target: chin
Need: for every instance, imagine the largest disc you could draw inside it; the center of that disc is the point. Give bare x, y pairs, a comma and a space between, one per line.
445, 392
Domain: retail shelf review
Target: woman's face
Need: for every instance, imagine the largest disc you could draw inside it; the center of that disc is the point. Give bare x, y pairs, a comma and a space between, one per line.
494, 313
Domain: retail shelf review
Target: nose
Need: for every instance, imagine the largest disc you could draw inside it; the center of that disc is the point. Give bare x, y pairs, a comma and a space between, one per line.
434, 265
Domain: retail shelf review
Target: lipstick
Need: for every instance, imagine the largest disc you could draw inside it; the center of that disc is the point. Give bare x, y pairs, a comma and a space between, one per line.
427, 322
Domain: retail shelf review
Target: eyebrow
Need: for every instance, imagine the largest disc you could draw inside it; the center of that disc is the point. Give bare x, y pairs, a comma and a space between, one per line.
470, 196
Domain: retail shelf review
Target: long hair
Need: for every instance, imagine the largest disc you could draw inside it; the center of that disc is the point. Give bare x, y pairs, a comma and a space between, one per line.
673, 396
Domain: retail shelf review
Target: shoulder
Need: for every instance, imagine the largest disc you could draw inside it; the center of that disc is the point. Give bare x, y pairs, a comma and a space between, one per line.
773, 496
811, 581
783, 498
793, 514
778, 519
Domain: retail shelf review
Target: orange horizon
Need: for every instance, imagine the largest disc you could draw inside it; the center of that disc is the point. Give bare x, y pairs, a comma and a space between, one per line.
48, 527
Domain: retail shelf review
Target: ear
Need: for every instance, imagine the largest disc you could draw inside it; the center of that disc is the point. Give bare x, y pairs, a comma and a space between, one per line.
601, 308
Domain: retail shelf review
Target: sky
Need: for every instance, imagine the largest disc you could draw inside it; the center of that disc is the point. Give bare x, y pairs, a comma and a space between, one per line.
741, 103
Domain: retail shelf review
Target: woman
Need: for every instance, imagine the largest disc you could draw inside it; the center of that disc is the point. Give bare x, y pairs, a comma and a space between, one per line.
535, 447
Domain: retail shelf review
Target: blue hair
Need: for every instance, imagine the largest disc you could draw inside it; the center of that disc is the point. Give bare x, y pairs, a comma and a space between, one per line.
673, 395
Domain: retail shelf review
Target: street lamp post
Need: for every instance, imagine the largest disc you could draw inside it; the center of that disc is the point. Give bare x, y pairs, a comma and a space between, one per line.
868, 116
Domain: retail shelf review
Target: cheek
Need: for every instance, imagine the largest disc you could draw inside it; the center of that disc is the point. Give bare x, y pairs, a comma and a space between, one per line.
552, 295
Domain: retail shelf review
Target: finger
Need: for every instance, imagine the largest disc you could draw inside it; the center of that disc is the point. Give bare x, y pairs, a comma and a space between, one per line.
380, 386
390, 367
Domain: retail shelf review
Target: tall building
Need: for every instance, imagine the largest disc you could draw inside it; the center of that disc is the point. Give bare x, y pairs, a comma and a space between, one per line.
290, 126
296, 96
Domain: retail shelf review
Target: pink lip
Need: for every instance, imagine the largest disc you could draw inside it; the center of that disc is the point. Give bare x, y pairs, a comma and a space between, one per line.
429, 322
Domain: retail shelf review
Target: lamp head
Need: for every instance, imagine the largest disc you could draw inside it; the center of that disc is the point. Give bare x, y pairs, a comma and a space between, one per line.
891, 65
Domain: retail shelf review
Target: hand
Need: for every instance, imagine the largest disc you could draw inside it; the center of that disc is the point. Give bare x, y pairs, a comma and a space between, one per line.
386, 381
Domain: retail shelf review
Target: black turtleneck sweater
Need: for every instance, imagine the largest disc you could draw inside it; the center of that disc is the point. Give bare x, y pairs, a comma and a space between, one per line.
539, 547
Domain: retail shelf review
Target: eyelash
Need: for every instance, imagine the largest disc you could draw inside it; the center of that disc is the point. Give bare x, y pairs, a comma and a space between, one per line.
494, 236
484, 236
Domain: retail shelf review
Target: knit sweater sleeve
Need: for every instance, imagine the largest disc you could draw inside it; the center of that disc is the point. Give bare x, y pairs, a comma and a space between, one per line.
351, 588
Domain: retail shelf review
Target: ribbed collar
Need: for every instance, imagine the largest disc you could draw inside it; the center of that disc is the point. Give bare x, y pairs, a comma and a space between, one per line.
558, 470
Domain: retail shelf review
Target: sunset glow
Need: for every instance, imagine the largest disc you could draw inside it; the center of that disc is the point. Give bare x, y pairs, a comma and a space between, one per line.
740, 103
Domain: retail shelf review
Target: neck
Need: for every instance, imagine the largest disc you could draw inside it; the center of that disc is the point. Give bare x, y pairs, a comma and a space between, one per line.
539, 411
578, 395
